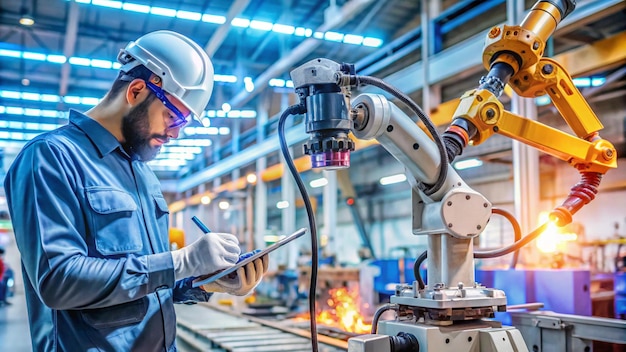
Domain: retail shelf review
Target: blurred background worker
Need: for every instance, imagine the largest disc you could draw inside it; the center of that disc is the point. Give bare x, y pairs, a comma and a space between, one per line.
91, 222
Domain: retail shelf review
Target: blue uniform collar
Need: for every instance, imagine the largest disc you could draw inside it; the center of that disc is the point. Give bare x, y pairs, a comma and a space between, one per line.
104, 140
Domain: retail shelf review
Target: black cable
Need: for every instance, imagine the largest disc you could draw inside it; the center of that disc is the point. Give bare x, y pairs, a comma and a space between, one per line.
517, 231
487, 254
416, 269
380, 312
443, 154
513, 247
295, 110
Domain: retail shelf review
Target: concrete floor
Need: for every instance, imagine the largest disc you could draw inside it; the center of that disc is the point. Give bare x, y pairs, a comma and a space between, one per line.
14, 331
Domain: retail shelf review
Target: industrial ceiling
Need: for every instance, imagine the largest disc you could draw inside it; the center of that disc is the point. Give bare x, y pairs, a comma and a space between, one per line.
65, 59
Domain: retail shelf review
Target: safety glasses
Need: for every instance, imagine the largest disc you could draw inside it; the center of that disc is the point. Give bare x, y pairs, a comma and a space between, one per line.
179, 118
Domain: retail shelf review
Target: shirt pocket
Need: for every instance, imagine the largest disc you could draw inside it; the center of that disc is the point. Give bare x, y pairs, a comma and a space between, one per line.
162, 214
114, 221
116, 316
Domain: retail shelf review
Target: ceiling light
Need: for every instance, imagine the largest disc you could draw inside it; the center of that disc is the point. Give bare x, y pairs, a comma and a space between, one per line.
213, 19
136, 7
320, 182
283, 204
226, 107
261, 25
205, 200
26, 19
373, 42
224, 205
467, 163
236, 22
251, 178
248, 84
389, 180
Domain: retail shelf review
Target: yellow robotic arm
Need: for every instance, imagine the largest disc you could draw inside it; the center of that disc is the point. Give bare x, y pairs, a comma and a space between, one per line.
514, 55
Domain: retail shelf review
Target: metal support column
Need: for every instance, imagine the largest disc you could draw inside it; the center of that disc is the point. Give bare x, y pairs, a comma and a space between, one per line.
330, 210
260, 194
525, 158
288, 193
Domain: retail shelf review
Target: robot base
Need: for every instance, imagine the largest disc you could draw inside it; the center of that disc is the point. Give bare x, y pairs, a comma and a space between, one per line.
474, 336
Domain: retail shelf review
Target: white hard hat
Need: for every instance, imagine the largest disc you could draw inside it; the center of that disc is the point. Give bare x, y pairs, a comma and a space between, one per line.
184, 68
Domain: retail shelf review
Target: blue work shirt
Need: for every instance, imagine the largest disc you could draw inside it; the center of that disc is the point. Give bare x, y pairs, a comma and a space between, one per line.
91, 225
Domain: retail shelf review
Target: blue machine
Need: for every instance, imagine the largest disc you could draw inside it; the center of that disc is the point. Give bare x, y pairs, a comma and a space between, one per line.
391, 273
560, 290
620, 294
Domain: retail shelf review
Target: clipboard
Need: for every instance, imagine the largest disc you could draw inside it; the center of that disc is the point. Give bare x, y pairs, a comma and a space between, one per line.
203, 280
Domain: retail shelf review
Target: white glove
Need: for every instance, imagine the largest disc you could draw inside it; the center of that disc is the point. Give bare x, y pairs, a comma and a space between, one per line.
208, 254
243, 280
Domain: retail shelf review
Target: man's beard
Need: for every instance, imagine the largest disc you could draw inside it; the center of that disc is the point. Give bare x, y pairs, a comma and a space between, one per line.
136, 132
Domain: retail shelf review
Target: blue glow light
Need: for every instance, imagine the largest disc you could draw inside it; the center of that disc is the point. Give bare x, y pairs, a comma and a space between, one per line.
129, 6
213, 19
333, 36
34, 56
188, 15
261, 25
101, 63
107, 3
236, 22
57, 59
80, 61
281, 28
373, 42
161, 11
353, 39
240, 22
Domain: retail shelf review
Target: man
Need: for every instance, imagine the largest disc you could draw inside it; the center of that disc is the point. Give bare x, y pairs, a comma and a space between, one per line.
91, 222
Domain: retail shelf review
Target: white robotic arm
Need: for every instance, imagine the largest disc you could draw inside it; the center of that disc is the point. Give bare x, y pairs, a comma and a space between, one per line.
454, 214
451, 215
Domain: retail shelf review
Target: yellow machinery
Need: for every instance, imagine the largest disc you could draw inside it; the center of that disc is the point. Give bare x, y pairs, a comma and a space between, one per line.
177, 238
514, 55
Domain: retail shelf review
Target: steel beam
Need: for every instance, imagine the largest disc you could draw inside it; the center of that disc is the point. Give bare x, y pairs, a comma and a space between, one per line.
347, 12
222, 31
71, 31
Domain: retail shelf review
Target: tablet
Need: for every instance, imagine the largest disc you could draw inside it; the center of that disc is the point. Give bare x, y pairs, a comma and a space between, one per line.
203, 280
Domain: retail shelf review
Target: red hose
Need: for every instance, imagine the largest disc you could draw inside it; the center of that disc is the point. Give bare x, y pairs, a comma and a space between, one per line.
582, 193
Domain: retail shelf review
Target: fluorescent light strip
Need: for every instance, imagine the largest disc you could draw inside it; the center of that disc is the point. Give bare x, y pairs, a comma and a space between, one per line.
283, 204
212, 131
320, 182
190, 142
92, 101
48, 98
467, 164
10, 143
389, 180
247, 114
19, 111
181, 149
28, 126
238, 22
181, 156
106, 64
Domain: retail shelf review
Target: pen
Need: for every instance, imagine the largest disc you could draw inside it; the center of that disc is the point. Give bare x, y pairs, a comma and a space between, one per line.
199, 223
206, 230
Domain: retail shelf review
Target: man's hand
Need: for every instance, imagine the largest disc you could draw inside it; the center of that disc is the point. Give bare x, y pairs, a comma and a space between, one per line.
208, 254
243, 280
